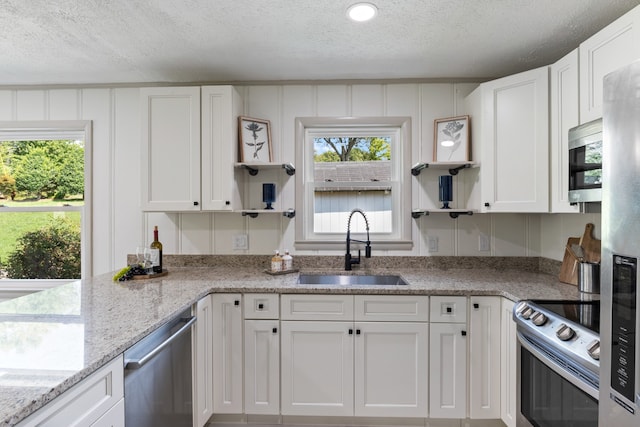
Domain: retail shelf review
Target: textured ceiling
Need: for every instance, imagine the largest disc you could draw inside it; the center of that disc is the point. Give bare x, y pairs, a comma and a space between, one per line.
142, 41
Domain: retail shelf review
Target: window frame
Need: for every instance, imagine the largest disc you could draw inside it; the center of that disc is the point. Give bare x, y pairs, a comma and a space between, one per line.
52, 130
306, 128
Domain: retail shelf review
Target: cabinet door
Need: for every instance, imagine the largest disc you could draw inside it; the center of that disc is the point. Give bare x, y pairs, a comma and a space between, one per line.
508, 355
113, 418
564, 115
317, 368
170, 169
262, 367
614, 46
484, 360
514, 169
221, 106
227, 353
391, 369
203, 362
447, 370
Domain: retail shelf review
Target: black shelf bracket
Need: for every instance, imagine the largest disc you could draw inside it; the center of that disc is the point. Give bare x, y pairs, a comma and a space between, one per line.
289, 213
288, 167
455, 215
250, 214
418, 214
417, 168
454, 171
252, 171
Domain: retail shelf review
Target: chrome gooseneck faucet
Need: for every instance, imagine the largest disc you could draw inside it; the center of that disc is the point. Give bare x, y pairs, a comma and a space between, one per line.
348, 260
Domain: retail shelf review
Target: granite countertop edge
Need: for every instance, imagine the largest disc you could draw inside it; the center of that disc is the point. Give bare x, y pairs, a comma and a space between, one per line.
182, 287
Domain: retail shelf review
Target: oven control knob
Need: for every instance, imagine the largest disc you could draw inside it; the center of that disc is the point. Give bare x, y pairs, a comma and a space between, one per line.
594, 349
538, 318
524, 311
564, 332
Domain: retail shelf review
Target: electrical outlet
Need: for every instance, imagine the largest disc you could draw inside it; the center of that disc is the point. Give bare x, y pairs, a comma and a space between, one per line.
240, 242
483, 242
432, 242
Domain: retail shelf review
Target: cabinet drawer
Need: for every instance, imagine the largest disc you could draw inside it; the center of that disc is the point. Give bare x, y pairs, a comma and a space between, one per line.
317, 307
391, 308
86, 402
449, 309
261, 306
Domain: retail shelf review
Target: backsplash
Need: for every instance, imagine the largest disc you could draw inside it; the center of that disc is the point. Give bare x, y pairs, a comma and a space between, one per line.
310, 263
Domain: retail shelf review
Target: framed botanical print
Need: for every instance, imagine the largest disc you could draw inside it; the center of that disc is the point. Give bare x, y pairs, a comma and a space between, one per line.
451, 142
254, 137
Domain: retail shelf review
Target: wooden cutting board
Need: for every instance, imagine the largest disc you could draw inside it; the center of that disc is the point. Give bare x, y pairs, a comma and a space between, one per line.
591, 248
590, 245
569, 270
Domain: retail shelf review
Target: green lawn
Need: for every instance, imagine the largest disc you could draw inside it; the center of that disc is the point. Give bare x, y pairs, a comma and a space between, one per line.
14, 224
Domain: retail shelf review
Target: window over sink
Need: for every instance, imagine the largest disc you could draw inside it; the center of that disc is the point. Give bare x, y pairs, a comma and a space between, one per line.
349, 163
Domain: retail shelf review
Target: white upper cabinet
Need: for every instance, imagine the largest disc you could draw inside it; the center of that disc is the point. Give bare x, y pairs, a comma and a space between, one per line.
189, 147
612, 47
510, 137
221, 106
564, 113
170, 169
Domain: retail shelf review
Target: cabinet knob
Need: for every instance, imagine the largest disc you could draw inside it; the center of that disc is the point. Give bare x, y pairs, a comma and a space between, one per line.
357, 331
260, 306
350, 331
464, 333
196, 203
236, 302
487, 204
476, 305
227, 203
449, 309
274, 330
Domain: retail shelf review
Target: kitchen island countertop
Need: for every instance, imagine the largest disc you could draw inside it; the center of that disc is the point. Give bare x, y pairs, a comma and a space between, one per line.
51, 340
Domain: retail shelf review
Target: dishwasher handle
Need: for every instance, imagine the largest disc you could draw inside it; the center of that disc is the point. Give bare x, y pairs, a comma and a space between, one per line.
139, 363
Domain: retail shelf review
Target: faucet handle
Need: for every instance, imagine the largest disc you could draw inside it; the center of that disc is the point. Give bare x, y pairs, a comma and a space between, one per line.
367, 251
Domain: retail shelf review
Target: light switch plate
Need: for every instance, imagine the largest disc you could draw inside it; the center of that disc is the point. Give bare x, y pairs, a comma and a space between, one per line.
240, 242
432, 242
483, 242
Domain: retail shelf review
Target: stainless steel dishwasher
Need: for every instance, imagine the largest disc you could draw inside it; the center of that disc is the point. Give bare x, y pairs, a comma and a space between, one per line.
157, 377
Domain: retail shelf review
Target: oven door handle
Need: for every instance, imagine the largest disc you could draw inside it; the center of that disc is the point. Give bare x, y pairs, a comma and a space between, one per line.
582, 385
139, 363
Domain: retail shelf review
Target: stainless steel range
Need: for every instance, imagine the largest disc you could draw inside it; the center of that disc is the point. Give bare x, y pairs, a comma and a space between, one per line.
558, 362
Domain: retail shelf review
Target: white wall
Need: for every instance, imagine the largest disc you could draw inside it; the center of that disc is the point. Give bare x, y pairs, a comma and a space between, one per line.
119, 225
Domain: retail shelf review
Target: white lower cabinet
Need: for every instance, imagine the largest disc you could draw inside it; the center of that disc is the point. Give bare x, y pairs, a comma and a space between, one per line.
95, 401
261, 354
484, 357
227, 353
349, 367
203, 378
508, 361
448, 357
317, 368
391, 375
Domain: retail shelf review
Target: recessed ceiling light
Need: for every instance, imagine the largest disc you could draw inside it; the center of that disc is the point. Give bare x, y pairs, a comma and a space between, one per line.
361, 12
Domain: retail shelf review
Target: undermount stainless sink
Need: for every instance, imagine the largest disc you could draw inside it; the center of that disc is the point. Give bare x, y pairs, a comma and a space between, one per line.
342, 279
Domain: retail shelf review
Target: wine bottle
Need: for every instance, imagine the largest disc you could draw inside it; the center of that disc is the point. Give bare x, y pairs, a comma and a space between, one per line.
156, 252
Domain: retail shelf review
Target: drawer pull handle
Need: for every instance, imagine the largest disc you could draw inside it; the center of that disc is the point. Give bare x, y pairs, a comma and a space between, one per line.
476, 305
449, 309
464, 333
260, 306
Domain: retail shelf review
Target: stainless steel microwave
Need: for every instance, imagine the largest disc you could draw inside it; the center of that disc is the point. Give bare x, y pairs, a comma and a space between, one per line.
585, 162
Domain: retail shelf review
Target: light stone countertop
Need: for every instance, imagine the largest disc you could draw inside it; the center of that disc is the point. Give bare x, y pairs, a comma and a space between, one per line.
51, 340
